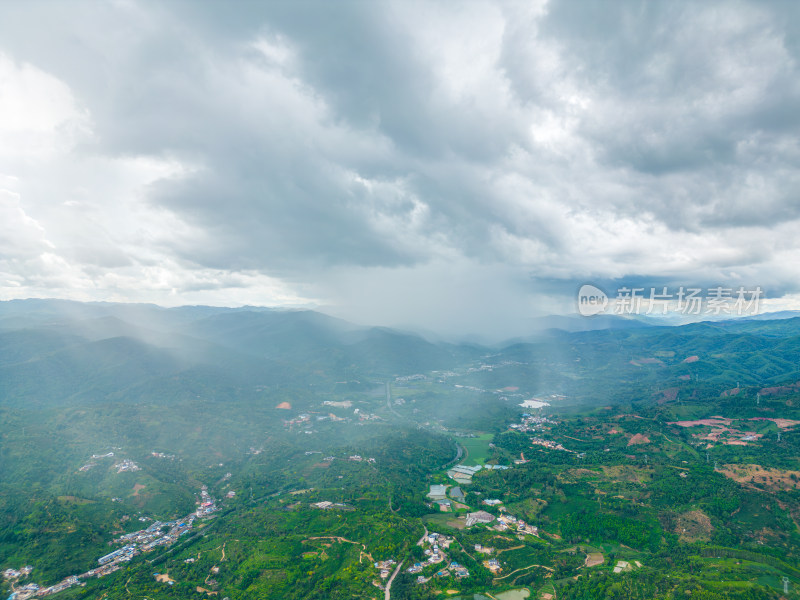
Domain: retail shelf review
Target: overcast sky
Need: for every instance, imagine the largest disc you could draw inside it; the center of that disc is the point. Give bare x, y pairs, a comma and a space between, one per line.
449, 165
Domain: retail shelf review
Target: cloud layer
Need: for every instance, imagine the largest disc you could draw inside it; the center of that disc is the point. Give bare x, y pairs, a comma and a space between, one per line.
416, 163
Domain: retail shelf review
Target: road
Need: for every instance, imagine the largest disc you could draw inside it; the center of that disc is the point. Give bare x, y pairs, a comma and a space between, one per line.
424, 535
387, 593
459, 454
389, 401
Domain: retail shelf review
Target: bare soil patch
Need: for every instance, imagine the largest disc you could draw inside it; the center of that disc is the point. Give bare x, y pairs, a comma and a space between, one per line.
762, 477
203, 590
638, 438
781, 423
667, 395
693, 526
594, 558
628, 474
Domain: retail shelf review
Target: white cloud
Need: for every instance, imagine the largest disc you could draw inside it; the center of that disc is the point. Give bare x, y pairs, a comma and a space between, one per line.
38, 113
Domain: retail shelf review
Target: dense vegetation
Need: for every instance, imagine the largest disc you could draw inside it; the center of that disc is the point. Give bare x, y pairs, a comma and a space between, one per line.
675, 468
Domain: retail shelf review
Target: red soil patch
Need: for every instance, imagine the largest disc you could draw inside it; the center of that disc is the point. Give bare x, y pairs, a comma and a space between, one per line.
781, 423
284, 406
780, 390
685, 377
691, 359
668, 395
732, 392
638, 439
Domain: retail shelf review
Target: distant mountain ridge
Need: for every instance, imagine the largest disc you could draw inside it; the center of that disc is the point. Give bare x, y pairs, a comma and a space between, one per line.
53, 351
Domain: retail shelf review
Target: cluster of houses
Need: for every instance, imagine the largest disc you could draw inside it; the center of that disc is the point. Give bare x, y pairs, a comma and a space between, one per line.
16, 574
304, 420
434, 545
207, 505
25, 591
548, 444
492, 564
385, 567
358, 458
126, 465
351, 458
363, 416
157, 534
507, 521
122, 466
147, 539
30, 590
162, 455
326, 505
460, 571
530, 424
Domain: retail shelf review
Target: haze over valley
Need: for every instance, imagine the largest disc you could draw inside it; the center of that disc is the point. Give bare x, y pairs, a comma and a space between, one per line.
481, 300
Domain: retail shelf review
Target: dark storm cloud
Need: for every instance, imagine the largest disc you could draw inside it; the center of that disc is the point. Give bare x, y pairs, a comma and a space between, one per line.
705, 92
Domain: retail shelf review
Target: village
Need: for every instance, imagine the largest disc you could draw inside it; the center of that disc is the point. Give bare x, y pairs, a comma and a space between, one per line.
157, 534
452, 497
434, 545
304, 421
121, 466
449, 498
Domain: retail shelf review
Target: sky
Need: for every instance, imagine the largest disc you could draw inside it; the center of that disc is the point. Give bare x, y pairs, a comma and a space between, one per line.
451, 166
